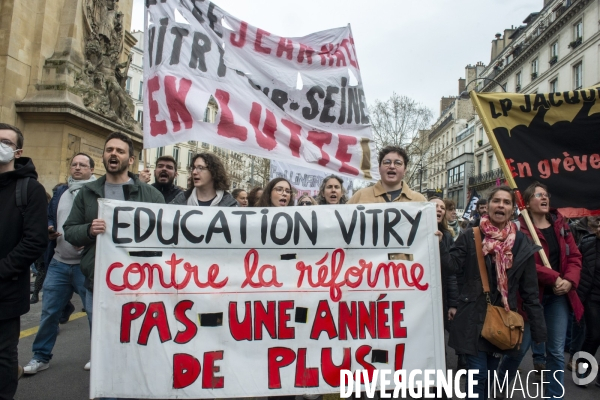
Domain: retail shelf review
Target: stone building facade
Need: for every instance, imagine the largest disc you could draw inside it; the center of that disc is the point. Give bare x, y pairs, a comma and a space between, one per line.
63, 65
557, 49
443, 146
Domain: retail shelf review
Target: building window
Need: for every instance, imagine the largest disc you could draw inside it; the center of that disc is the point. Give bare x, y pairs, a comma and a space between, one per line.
207, 115
490, 162
578, 76
128, 84
190, 156
479, 166
140, 94
176, 155
481, 134
554, 85
534, 69
553, 53
140, 116
518, 81
160, 152
578, 30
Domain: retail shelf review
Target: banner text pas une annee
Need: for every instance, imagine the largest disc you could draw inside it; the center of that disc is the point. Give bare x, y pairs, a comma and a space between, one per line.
206, 302
298, 100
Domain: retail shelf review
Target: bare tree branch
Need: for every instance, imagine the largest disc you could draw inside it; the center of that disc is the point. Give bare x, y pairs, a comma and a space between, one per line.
401, 121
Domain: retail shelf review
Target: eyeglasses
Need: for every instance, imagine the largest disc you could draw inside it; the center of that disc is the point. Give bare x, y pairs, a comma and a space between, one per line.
540, 195
388, 163
305, 203
7, 143
198, 168
80, 165
280, 190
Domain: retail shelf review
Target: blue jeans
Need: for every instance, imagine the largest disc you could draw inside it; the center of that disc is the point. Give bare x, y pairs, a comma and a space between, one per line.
575, 335
556, 313
538, 352
486, 363
61, 281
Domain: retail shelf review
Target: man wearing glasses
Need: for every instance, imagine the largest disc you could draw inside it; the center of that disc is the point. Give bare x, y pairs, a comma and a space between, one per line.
64, 273
23, 238
393, 162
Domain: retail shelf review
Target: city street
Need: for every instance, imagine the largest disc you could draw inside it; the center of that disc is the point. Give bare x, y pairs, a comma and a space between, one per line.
67, 380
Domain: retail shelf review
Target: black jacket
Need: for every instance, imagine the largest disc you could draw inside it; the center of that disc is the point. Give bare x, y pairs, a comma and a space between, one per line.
449, 283
23, 238
465, 334
227, 201
168, 192
589, 283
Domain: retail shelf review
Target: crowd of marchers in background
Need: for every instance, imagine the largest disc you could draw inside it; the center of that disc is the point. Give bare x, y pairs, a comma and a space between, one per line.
57, 234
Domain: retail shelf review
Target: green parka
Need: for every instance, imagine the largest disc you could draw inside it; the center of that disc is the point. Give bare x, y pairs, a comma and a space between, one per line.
85, 210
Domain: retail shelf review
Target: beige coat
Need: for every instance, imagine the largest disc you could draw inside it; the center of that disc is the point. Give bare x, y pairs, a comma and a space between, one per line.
374, 194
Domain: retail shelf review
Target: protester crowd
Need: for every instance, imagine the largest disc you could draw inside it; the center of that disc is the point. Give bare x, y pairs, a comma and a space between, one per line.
560, 302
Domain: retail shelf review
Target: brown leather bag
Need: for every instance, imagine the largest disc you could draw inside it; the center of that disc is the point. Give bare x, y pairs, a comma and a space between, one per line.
504, 329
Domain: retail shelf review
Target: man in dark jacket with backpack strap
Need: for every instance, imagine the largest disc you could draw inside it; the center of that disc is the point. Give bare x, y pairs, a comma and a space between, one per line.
23, 238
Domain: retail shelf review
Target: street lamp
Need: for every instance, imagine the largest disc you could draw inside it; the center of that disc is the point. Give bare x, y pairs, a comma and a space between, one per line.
465, 94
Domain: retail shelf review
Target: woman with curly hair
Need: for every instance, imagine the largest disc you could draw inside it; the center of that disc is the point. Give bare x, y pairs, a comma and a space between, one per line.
332, 191
254, 195
277, 193
210, 184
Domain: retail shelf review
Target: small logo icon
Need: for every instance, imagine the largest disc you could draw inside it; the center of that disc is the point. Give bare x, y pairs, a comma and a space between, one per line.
586, 370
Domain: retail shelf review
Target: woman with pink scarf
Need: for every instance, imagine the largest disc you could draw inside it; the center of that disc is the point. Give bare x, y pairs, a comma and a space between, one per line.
510, 264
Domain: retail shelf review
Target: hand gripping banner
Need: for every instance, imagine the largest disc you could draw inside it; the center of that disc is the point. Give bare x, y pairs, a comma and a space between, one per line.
297, 100
552, 138
198, 303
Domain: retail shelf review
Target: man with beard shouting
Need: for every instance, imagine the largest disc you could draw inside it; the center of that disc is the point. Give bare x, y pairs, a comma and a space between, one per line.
83, 225
164, 175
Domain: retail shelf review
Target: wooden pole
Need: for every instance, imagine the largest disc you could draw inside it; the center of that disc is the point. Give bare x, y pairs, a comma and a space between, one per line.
508, 175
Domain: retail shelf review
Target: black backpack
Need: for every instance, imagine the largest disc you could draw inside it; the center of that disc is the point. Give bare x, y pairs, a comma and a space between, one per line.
21, 194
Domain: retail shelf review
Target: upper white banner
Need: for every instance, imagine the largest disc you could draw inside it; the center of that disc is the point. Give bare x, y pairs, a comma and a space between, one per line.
298, 100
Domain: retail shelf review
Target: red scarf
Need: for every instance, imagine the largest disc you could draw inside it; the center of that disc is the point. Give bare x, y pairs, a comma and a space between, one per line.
499, 244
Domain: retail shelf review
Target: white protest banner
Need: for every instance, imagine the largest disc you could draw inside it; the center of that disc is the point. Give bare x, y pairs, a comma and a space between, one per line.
305, 180
215, 302
298, 100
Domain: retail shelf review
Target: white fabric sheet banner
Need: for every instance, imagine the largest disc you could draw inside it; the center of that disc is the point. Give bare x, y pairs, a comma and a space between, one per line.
298, 100
305, 180
196, 303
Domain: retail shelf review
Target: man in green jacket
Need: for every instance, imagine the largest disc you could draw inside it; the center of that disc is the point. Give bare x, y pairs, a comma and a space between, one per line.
83, 225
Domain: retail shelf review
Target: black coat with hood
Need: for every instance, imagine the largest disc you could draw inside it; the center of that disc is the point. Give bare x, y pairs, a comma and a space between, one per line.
23, 237
169, 192
589, 283
465, 333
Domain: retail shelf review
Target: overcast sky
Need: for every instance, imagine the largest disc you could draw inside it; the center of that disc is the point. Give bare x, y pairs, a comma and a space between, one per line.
414, 48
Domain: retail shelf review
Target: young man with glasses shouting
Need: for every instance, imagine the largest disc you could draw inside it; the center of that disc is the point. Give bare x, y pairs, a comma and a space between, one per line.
393, 162
23, 238
210, 184
64, 274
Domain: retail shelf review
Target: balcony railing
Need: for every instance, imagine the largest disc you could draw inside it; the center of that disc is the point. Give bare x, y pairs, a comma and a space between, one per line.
465, 133
486, 177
